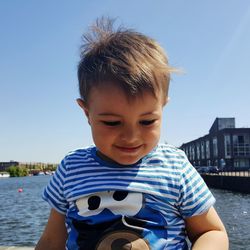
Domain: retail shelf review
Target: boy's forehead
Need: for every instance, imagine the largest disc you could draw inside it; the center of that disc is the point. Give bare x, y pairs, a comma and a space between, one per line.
114, 101
112, 89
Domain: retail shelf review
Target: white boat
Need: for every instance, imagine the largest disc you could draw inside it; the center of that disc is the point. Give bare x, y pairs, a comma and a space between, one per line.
4, 174
41, 173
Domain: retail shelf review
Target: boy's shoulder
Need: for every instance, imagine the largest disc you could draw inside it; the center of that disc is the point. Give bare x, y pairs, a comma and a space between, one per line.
79, 153
170, 151
167, 155
171, 158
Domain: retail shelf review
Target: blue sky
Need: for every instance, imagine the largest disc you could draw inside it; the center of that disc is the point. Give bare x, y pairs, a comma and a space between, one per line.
39, 52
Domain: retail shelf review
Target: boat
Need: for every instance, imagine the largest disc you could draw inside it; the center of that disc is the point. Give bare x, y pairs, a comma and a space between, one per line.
4, 175
40, 173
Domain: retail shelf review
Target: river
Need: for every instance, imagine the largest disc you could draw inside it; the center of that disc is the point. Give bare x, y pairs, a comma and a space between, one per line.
23, 215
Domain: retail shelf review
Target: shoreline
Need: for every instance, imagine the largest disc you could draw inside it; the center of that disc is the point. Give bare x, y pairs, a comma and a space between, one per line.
16, 248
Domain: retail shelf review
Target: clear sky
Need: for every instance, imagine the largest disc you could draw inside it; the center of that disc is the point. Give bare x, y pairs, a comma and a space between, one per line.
39, 52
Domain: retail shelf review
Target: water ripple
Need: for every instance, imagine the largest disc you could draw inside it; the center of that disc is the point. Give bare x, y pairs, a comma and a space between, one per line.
24, 215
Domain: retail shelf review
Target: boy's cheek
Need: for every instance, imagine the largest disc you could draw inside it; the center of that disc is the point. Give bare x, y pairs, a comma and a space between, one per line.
102, 133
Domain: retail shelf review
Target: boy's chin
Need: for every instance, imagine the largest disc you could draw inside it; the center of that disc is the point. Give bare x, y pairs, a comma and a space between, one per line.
126, 162
117, 160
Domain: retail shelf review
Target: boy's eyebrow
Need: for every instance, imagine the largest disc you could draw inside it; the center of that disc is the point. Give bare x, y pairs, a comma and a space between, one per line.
108, 114
113, 114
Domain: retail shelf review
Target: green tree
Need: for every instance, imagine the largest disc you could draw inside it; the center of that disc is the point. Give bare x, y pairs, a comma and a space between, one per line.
16, 171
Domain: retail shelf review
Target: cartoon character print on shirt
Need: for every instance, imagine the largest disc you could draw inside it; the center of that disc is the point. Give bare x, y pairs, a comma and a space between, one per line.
113, 220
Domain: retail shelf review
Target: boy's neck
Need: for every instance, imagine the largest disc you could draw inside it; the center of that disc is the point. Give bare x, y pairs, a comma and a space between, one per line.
104, 157
107, 159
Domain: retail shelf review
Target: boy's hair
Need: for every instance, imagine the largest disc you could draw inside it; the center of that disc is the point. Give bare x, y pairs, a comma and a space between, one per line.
124, 57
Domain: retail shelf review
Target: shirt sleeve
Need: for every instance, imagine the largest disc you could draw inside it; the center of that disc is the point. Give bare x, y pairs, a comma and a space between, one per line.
54, 191
195, 197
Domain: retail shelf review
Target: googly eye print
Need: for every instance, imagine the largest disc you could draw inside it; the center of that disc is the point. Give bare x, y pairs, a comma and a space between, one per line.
117, 202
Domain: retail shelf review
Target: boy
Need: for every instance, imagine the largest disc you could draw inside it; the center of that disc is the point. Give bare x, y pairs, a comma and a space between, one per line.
127, 191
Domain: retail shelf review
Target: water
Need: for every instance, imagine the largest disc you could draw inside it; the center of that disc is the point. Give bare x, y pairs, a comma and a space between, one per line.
234, 210
23, 215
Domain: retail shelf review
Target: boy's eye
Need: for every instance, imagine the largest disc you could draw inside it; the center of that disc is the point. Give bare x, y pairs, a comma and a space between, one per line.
113, 123
147, 122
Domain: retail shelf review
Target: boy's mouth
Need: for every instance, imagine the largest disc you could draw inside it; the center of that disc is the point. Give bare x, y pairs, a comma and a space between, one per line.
128, 149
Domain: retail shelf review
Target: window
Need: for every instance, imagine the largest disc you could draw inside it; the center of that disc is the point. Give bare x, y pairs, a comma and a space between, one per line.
202, 150
193, 152
227, 146
215, 147
216, 163
207, 150
198, 150
241, 145
238, 163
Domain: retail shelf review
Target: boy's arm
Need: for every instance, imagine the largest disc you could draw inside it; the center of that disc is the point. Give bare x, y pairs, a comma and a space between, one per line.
55, 234
207, 232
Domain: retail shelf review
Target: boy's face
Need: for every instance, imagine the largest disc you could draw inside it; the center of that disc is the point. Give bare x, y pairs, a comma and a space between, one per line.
123, 130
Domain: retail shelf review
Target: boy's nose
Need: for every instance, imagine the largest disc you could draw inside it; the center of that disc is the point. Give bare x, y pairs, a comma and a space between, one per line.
129, 134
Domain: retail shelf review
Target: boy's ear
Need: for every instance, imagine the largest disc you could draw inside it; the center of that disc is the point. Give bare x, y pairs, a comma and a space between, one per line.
83, 106
166, 100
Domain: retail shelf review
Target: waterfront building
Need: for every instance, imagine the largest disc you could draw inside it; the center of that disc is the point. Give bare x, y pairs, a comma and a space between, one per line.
5, 165
225, 146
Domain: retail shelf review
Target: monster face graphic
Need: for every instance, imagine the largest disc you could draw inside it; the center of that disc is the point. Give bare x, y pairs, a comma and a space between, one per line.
117, 202
112, 220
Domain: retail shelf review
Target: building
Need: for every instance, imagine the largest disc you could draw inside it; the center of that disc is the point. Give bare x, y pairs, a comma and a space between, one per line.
5, 165
225, 146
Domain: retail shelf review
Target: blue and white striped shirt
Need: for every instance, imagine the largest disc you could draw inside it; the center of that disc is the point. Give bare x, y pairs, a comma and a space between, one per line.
143, 205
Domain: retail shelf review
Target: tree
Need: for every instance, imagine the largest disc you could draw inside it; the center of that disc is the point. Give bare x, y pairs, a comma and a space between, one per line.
16, 171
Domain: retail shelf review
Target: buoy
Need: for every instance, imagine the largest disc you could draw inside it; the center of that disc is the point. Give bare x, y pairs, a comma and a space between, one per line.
20, 190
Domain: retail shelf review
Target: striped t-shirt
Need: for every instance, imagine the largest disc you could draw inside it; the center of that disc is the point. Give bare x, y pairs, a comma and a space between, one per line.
140, 206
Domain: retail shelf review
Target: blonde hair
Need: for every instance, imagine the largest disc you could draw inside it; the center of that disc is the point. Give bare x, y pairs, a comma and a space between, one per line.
133, 61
